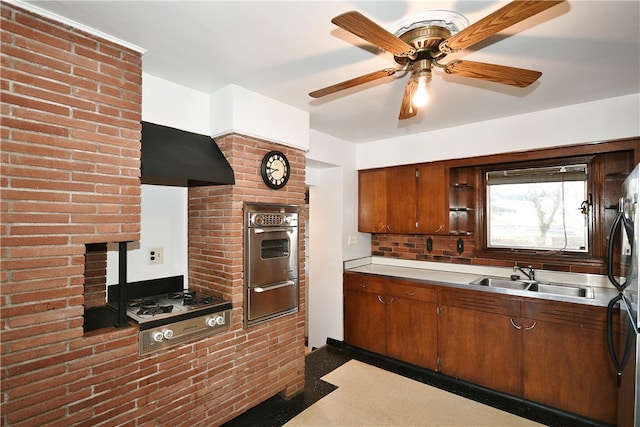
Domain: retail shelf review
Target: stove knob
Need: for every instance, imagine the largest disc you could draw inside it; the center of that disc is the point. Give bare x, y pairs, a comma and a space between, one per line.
157, 336
167, 333
214, 321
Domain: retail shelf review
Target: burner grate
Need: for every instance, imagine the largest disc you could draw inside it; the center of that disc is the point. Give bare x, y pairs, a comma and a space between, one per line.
152, 310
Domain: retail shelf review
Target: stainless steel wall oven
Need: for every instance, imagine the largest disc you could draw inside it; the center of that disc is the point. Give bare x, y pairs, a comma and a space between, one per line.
271, 261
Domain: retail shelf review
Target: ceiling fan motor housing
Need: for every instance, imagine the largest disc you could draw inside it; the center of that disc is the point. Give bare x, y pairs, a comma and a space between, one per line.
425, 40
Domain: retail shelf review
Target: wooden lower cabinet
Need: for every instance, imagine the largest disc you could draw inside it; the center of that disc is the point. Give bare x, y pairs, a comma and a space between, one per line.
412, 334
550, 352
364, 313
482, 348
566, 360
392, 318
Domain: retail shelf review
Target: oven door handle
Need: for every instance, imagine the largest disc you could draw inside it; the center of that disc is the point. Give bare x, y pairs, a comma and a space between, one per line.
270, 230
284, 284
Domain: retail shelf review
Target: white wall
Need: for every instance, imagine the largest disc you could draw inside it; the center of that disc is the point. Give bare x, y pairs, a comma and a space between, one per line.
332, 181
235, 109
576, 124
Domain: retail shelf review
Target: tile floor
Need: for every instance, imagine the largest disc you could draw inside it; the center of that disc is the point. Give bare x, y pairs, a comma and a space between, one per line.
276, 411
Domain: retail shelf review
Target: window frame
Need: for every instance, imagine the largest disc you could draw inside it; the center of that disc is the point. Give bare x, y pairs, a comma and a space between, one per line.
538, 256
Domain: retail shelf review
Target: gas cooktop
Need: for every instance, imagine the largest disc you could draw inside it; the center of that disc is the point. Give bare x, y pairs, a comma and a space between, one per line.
157, 302
170, 305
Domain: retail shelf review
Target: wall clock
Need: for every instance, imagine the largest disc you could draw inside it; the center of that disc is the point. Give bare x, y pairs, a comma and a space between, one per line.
275, 169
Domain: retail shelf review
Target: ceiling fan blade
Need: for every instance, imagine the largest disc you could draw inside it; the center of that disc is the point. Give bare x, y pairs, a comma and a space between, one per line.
494, 73
502, 18
363, 27
407, 110
353, 82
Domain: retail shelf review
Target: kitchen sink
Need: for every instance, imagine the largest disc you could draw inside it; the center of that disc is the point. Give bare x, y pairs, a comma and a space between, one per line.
544, 288
501, 283
572, 291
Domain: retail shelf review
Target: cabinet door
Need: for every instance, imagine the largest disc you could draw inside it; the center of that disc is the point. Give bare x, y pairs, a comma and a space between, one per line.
566, 360
372, 201
401, 199
412, 331
364, 313
482, 348
432, 192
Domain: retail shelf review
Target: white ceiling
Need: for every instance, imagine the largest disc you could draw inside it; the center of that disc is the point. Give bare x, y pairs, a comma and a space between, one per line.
587, 50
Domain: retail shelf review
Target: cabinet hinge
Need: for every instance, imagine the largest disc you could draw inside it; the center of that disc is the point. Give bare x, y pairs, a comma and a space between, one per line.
438, 311
417, 173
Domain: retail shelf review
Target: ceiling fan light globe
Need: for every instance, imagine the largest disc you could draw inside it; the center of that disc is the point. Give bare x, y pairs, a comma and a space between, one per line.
420, 97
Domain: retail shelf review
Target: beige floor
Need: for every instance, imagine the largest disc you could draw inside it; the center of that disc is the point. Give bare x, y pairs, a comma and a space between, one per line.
369, 396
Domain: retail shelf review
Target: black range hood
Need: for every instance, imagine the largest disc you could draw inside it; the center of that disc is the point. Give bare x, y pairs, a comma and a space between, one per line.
180, 158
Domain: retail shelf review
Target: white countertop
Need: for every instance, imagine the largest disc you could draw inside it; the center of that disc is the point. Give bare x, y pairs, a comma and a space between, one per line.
460, 276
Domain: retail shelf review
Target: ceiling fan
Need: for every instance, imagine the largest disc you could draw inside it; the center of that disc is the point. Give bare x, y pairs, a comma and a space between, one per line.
419, 47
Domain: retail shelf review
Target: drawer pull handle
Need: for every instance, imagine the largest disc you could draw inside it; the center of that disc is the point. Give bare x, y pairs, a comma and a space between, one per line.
518, 327
410, 293
382, 301
363, 285
528, 328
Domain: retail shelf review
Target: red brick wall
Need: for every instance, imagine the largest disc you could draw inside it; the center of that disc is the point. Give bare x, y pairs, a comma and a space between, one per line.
70, 177
95, 275
273, 351
414, 247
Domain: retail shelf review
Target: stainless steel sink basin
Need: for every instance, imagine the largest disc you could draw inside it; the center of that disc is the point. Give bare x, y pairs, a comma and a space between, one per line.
544, 288
501, 283
572, 291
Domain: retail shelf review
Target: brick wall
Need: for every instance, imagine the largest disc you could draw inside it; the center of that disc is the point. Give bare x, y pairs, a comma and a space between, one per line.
95, 275
444, 249
70, 179
269, 357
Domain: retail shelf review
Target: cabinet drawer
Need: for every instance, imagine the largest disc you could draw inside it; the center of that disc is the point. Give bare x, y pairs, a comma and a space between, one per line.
481, 301
363, 283
581, 316
411, 291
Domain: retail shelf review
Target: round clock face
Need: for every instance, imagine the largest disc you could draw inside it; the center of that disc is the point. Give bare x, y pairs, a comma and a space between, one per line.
275, 169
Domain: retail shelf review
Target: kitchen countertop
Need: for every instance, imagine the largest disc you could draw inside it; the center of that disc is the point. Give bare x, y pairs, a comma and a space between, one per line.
459, 278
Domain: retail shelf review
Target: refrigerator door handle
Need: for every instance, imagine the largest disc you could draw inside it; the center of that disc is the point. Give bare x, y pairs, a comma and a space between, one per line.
618, 364
628, 227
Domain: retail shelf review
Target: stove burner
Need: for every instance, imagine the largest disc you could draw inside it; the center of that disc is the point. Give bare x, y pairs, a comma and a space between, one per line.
197, 301
154, 309
191, 298
183, 295
142, 302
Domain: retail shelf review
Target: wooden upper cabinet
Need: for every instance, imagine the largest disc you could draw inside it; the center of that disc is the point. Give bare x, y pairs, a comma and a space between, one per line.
432, 189
386, 200
404, 199
372, 201
401, 199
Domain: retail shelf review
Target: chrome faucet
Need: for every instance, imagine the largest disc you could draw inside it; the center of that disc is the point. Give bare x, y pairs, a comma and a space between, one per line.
531, 275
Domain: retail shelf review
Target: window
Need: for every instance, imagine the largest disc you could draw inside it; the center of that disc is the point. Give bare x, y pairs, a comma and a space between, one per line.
542, 208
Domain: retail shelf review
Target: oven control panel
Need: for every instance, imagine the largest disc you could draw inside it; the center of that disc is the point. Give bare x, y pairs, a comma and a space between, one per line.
273, 219
175, 333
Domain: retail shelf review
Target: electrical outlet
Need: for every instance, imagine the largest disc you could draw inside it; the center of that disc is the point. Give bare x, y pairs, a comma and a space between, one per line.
352, 239
156, 256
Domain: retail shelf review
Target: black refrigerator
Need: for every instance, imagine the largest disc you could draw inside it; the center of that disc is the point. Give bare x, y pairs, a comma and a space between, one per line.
622, 262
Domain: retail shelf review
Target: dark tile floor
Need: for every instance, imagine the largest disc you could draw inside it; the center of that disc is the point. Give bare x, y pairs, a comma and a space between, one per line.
276, 411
